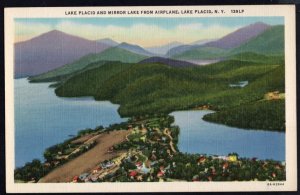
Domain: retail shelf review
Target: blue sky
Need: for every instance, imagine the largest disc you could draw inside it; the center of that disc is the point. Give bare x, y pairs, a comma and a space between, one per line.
136, 30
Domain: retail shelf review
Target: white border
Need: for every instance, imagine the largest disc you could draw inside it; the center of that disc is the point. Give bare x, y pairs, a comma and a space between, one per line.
287, 11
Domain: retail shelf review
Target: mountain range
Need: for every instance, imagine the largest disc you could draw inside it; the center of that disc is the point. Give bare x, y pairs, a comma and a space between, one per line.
163, 49
58, 52
223, 45
185, 47
239, 36
144, 83
135, 49
270, 42
112, 54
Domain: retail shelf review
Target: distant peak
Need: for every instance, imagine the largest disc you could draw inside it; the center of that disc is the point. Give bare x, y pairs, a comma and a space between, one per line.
55, 32
108, 41
259, 24
124, 43
128, 44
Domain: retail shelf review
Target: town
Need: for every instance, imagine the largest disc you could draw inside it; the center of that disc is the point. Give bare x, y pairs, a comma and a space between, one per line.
147, 152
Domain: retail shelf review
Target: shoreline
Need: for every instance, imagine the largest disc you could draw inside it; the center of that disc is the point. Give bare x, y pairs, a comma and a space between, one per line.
141, 134
207, 117
65, 162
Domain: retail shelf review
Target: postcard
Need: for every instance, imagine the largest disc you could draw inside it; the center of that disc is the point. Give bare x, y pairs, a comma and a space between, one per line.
150, 99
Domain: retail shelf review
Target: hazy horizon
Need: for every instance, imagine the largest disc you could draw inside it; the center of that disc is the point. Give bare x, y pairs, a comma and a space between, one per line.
134, 30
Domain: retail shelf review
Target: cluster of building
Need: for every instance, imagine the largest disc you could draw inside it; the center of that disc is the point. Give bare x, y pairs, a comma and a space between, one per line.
152, 157
100, 171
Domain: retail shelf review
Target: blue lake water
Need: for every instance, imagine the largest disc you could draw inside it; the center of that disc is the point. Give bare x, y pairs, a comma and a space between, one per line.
199, 136
42, 119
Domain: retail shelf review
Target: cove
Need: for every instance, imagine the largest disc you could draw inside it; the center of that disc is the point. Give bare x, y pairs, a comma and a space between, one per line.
199, 136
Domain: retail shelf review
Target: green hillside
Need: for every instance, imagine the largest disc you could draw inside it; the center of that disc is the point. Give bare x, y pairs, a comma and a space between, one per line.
202, 53
270, 42
214, 93
111, 54
259, 115
88, 83
259, 58
156, 88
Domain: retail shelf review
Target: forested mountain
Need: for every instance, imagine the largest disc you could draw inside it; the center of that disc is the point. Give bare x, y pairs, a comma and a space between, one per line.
135, 49
51, 50
239, 36
147, 85
270, 42
167, 61
111, 54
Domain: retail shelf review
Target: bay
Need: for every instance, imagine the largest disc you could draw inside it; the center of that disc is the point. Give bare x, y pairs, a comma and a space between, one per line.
199, 136
42, 119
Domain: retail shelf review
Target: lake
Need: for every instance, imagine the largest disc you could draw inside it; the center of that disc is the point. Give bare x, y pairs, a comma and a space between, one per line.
199, 136
42, 119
